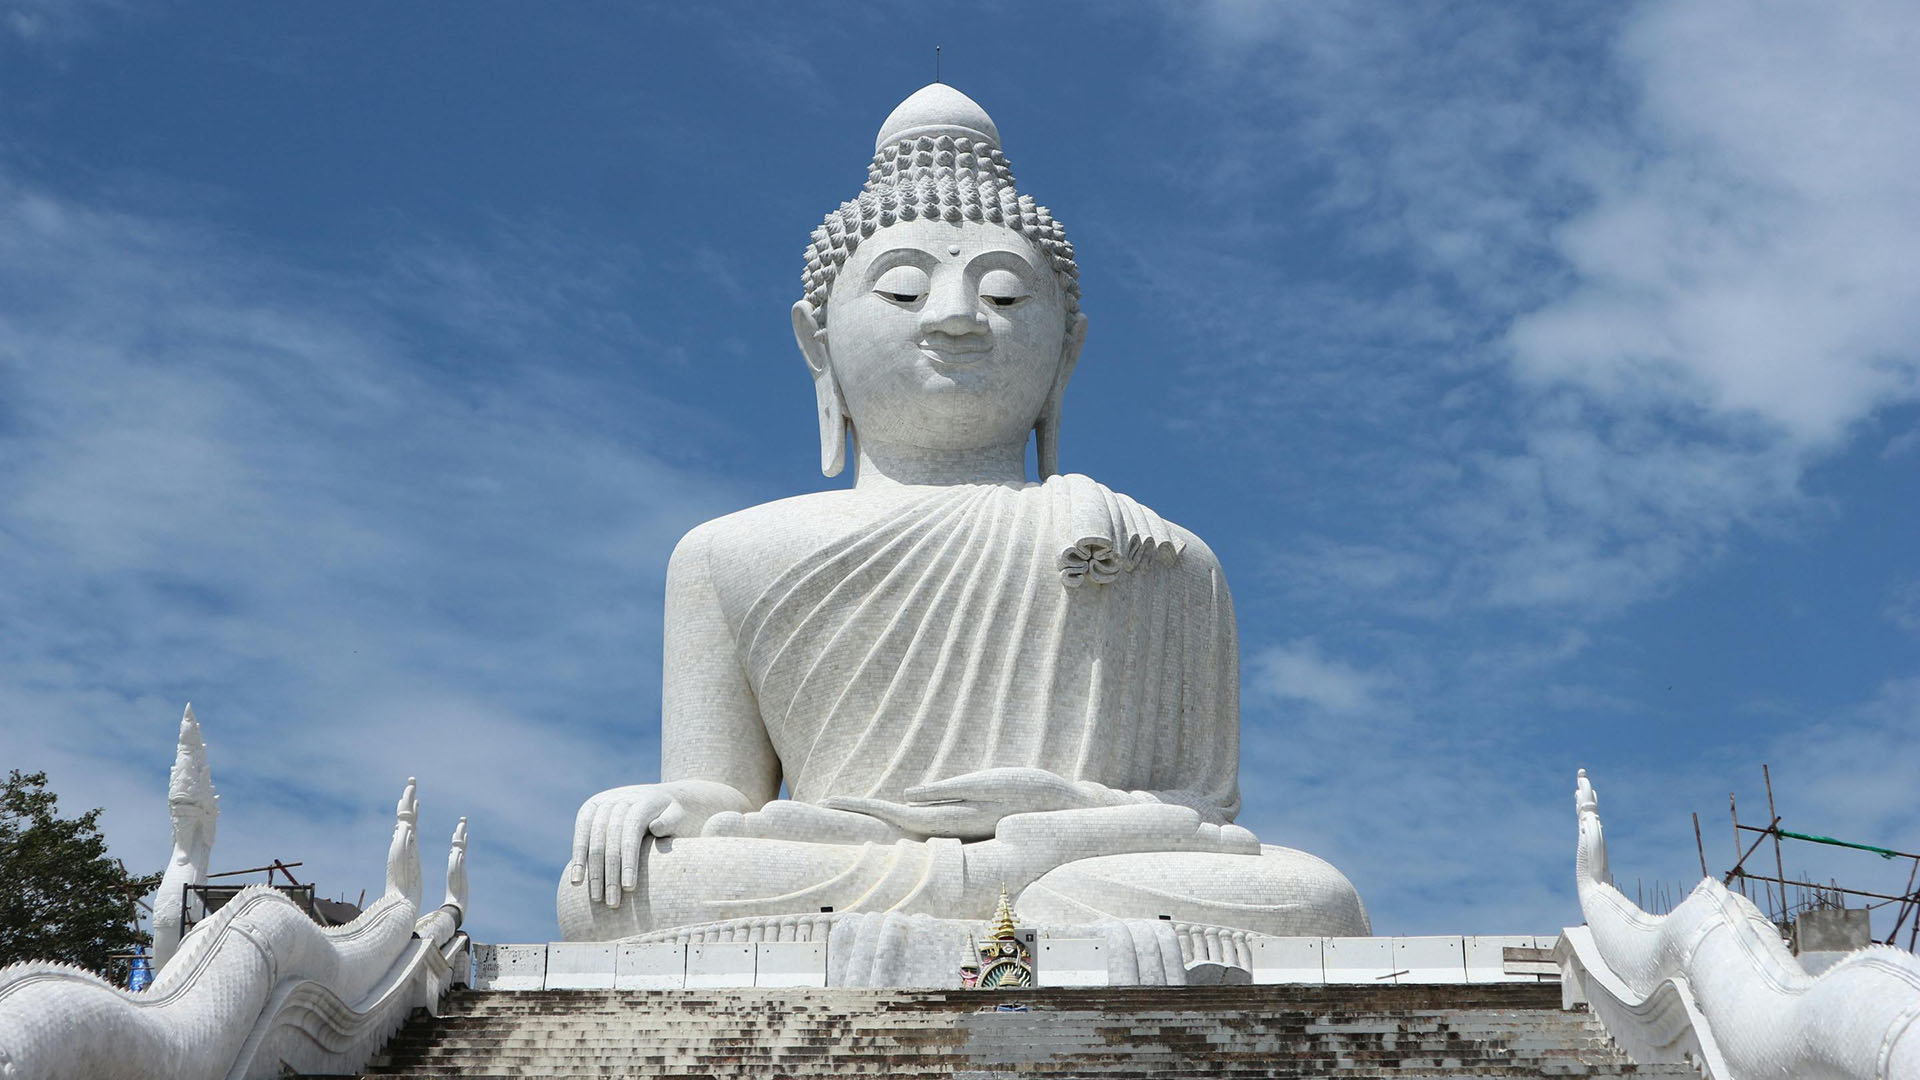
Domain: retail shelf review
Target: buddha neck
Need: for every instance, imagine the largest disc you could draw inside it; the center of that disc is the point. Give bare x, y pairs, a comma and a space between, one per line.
881, 465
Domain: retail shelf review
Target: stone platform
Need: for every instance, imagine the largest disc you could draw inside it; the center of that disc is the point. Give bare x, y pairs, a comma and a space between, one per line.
1063, 958
1502, 1030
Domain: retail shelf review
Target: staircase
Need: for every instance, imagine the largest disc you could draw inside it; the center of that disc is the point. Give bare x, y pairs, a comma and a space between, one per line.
1268, 1031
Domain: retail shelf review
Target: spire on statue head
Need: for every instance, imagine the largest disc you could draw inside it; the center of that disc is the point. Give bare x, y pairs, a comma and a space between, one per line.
937, 109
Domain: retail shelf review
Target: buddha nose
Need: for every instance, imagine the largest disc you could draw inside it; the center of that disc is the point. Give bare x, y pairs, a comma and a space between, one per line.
951, 311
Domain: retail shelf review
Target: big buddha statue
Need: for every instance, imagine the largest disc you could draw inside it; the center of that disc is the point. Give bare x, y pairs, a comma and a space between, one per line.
948, 678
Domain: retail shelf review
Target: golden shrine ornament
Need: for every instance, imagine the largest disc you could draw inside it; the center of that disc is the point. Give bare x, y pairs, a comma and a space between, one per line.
1005, 961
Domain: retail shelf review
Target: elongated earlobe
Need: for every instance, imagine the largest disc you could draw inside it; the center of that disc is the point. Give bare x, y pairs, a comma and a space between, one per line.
833, 424
1046, 431
830, 409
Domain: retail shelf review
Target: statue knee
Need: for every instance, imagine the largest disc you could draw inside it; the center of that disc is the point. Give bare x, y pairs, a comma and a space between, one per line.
1322, 895
582, 918
1281, 892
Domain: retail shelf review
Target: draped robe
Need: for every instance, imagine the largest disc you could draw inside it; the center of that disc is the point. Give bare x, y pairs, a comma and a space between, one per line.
1059, 626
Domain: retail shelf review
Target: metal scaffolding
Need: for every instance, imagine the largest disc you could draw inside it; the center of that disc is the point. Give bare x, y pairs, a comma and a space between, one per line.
1807, 894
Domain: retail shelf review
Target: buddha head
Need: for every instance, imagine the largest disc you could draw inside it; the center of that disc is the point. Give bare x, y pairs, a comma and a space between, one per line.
941, 310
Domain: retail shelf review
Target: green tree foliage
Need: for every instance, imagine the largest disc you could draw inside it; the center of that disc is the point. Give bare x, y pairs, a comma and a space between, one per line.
61, 896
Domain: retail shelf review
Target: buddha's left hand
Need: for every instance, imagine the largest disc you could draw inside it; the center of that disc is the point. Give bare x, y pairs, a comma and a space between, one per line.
970, 805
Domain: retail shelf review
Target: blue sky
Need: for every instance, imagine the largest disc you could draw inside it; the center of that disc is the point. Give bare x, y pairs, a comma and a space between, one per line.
1547, 378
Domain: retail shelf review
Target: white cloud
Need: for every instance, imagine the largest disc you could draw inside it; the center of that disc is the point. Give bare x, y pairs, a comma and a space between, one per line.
229, 480
1752, 253
1455, 827
1902, 605
1855, 771
1594, 288
1443, 827
1299, 671
1577, 310
52, 22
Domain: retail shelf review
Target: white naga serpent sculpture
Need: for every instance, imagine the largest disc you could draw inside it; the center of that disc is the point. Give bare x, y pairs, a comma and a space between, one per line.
255, 989
1711, 982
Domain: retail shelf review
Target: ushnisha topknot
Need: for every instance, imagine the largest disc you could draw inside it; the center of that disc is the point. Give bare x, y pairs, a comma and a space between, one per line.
945, 165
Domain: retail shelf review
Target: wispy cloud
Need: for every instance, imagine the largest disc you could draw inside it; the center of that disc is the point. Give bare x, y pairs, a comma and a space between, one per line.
39, 23
1450, 829
1662, 265
401, 523
1299, 671
1750, 254
1525, 316
1903, 606
1846, 774
1442, 830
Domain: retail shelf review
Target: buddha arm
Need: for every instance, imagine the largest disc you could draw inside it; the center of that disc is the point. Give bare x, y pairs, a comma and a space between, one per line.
1207, 806
714, 755
1207, 776
710, 726
1024, 790
971, 806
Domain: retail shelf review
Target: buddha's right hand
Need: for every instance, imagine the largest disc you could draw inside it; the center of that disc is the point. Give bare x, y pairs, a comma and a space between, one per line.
608, 831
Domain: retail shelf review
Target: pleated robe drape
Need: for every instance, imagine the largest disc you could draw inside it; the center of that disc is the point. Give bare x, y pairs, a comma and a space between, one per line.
1059, 626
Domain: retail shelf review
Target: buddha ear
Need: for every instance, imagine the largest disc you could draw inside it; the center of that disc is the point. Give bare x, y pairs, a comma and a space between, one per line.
1046, 431
829, 409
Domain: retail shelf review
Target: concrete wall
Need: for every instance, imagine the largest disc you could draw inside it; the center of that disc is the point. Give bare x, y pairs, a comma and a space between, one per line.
1826, 930
1448, 959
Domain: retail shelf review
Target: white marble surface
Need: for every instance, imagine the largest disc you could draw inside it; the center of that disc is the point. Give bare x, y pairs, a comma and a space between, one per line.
963, 679
257, 987
1711, 981
194, 810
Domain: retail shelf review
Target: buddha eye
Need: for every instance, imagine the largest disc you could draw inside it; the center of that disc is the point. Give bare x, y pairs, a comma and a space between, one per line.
902, 284
1002, 288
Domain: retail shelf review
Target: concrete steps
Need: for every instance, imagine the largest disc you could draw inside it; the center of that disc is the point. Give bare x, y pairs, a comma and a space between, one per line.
1509, 1030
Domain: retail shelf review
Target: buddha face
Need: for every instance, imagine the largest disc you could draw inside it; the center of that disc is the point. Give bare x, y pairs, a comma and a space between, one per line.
945, 336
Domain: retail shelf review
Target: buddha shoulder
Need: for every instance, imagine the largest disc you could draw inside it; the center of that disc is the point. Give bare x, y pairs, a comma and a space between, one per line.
739, 554
1197, 565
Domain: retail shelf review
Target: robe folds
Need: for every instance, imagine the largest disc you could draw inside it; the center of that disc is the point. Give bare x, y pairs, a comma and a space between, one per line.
1059, 626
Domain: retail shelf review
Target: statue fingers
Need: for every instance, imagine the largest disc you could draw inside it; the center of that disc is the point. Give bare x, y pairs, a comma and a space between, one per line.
631, 835
965, 820
973, 820
785, 819
726, 823
875, 808
952, 789
597, 850
851, 828
997, 785
582, 834
669, 821
616, 833
645, 815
